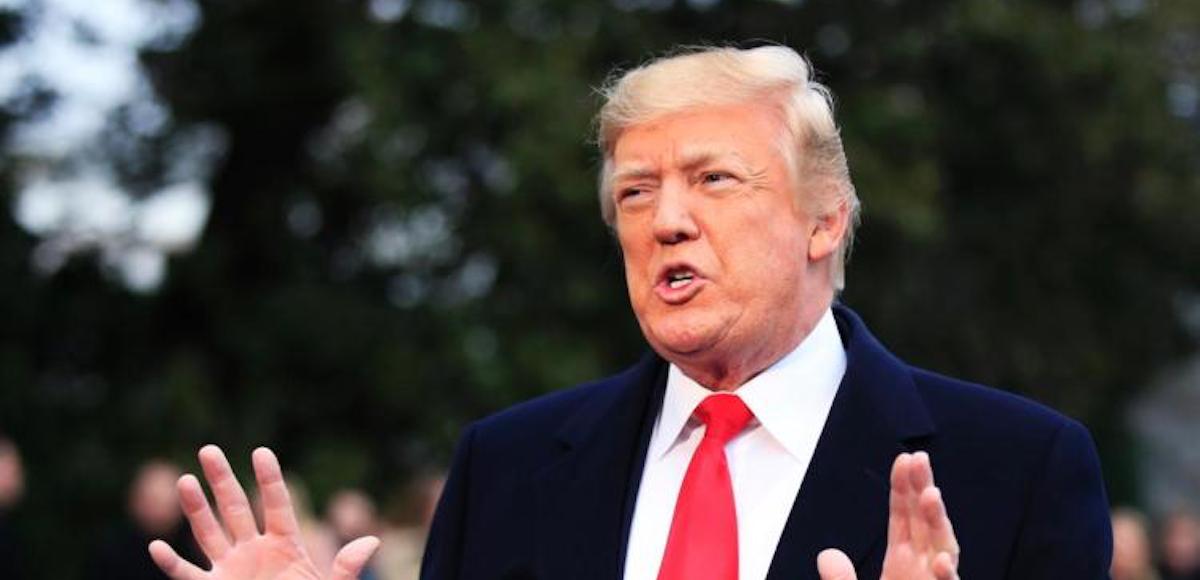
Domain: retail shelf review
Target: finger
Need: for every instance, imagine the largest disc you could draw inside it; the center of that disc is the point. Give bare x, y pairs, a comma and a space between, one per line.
209, 535
941, 531
231, 498
279, 517
898, 530
944, 567
921, 473
835, 565
171, 564
920, 477
352, 557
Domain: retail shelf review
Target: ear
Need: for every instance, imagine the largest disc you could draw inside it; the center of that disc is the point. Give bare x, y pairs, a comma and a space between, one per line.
828, 231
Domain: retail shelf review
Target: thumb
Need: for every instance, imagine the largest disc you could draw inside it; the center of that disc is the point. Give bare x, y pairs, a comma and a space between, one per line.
352, 557
835, 565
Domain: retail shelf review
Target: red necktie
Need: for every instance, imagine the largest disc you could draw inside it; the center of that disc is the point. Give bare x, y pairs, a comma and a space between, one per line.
703, 542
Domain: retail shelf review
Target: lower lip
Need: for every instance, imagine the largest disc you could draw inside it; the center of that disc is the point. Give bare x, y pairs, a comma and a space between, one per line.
678, 295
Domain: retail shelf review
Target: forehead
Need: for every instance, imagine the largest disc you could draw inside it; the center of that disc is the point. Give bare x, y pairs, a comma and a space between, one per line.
749, 132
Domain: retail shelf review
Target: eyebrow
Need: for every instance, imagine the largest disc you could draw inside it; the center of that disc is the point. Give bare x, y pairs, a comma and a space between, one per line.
691, 158
634, 172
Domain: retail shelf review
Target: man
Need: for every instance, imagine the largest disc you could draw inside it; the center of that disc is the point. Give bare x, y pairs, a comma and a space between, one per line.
767, 425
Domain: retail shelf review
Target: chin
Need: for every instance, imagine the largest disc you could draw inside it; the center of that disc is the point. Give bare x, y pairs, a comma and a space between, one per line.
682, 335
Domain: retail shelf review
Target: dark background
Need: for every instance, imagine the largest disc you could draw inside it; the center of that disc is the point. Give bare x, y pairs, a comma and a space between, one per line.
1028, 170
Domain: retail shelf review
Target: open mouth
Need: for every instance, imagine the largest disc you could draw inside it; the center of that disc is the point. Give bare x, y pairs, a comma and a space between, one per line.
679, 278
679, 284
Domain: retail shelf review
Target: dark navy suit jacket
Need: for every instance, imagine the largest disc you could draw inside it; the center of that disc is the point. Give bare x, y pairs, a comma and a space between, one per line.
546, 489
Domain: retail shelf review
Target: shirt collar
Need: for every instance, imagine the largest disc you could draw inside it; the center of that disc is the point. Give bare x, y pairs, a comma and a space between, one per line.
790, 398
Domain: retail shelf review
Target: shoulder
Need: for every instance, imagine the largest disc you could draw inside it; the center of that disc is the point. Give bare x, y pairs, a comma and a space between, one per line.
989, 435
983, 421
921, 401
958, 404
529, 425
1039, 471
545, 414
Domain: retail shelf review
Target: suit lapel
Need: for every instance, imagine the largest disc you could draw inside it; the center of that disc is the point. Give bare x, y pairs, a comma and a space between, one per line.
843, 501
586, 494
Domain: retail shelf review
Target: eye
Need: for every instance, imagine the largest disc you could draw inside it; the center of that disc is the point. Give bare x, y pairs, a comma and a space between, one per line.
714, 177
628, 192
633, 196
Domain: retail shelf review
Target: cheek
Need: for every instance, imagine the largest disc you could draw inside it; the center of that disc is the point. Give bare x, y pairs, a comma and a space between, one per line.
635, 258
773, 257
635, 283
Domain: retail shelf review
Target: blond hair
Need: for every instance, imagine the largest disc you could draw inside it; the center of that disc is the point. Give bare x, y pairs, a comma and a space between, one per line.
810, 143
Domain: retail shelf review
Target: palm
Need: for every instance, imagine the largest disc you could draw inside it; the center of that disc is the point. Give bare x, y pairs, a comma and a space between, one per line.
238, 550
266, 557
905, 563
921, 541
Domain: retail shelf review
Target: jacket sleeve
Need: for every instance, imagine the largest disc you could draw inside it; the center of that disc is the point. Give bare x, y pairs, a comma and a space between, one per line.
447, 534
1067, 532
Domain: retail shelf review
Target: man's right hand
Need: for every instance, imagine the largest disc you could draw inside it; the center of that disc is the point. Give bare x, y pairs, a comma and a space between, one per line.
921, 541
238, 550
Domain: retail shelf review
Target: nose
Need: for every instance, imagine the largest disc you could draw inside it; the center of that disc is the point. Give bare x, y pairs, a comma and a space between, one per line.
673, 219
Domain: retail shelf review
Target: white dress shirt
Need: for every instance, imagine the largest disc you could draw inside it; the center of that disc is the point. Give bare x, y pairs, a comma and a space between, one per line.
790, 401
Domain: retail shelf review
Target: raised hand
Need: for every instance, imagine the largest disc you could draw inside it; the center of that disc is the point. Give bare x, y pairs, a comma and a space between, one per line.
238, 550
921, 542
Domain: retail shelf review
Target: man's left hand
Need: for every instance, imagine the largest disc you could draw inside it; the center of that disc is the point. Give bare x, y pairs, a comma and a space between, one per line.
921, 542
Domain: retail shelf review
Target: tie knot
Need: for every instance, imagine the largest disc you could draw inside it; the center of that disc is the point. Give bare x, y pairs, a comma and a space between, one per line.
724, 415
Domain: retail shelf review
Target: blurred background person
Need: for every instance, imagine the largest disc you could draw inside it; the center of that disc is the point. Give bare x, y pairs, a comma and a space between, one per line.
1132, 555
407, 527
351, 514
152, 512
318, 537
12, 487
1179, 545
